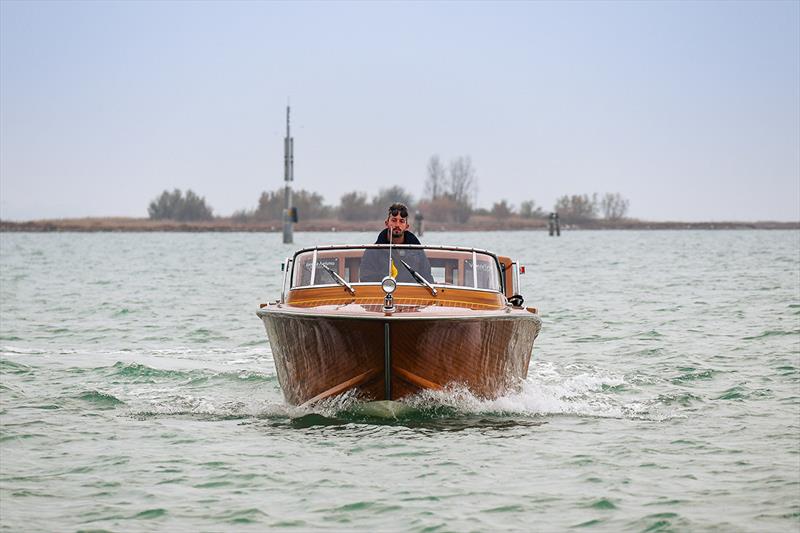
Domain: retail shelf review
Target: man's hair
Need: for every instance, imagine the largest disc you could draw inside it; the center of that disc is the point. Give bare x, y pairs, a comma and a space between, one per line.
396, 208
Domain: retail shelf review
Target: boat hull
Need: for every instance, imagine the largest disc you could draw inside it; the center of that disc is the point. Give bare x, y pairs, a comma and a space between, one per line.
391, 356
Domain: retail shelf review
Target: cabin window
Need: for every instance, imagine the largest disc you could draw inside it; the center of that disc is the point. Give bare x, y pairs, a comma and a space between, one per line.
307, 272
439, 273
351, 266
487, 276
444, 268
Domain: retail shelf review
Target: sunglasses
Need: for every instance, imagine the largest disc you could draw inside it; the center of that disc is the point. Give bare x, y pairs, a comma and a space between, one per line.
402, 212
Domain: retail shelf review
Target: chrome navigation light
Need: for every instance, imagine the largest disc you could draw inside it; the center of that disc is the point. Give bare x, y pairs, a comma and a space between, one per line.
389, 285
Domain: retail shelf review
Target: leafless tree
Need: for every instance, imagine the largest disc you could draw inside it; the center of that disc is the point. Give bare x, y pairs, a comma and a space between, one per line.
463, 180
463, 184
436, 182
614, 206
577, 208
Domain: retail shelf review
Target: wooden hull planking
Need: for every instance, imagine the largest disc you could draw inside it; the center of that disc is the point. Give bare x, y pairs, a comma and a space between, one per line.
320, 355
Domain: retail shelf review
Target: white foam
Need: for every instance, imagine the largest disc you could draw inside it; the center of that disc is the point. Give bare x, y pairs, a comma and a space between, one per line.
547, 392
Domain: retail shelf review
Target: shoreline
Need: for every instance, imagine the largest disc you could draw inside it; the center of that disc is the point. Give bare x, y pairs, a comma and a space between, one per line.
226, 225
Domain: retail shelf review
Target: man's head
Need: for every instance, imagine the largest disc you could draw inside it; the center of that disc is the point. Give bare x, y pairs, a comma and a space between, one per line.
397, 222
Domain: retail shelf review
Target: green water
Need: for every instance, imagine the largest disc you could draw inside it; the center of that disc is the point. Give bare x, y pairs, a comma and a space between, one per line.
138, 393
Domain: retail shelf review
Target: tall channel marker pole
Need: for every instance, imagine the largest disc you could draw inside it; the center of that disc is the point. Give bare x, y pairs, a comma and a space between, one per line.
289, 215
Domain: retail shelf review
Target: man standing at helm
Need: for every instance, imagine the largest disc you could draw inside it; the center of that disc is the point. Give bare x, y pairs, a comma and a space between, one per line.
375, 263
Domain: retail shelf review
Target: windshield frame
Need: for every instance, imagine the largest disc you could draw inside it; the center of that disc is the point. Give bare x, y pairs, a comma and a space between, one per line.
315, 249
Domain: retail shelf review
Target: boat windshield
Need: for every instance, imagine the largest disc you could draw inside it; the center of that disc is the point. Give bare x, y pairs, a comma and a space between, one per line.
359, 265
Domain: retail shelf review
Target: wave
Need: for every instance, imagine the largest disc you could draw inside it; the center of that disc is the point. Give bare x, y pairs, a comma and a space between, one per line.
138, 370
771, 333
15, 350
214, 409
10, 367
100, 399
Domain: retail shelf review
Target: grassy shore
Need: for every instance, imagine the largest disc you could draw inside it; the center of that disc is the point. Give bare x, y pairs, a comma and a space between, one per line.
476, 223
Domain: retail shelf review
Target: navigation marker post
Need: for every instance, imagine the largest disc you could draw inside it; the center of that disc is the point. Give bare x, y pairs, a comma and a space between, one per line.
289, 212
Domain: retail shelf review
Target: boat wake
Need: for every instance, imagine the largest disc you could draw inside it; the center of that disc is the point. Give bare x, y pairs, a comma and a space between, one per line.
143, 388
547, 392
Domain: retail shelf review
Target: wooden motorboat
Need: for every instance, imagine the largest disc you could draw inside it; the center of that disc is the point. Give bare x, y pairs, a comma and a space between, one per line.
433, 316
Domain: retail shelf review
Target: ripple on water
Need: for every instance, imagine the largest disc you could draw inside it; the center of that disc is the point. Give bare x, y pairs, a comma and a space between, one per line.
10, 367
667, 521
243, 516
101, 400
772, 333
742, 392
602, 504
150, 514
691, 374
590, 523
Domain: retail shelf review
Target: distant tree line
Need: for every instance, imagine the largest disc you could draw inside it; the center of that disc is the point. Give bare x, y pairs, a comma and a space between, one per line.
270, 206
582, 207
450, 192
449, 196
355, 205
175, 206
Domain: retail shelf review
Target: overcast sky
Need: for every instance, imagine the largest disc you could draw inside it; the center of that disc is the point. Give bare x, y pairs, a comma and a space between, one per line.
691, 110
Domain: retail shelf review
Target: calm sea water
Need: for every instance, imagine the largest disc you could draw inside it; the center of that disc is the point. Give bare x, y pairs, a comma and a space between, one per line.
138, 393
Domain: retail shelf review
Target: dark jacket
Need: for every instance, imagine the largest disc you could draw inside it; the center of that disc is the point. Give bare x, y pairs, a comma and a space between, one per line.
375, 262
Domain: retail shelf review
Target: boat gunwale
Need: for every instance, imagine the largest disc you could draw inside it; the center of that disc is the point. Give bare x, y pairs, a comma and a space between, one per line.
488, 314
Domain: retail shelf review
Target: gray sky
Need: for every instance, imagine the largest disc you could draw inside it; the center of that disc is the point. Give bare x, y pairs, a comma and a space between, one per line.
691, 110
